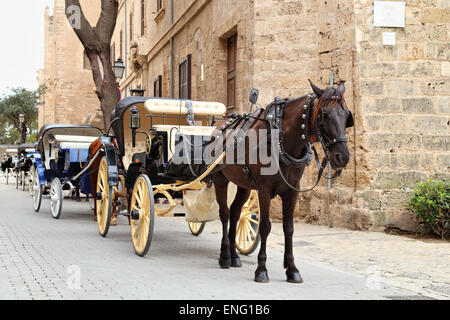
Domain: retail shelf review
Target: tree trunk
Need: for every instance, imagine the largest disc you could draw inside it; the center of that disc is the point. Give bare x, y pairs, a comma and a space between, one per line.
97, 43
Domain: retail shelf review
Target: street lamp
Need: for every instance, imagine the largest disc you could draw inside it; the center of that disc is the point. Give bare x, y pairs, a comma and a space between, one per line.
119, 68
21, 122
137, 92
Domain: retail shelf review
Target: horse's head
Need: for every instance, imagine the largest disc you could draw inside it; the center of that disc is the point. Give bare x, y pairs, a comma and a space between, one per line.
331, 118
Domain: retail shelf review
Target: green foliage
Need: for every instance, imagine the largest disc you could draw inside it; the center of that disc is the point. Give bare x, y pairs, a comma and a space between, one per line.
430, 204
18, 101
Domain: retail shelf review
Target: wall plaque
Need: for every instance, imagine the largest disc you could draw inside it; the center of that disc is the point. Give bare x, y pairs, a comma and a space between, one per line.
389, 14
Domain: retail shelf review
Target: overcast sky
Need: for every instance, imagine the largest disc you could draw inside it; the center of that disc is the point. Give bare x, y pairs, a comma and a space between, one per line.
22, 42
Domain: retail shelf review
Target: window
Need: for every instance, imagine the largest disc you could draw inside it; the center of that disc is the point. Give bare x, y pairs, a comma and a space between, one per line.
157, 87
185, 78
142, 17
121, 44
86, 62
158, 5
231, 72
131, 26
113, 53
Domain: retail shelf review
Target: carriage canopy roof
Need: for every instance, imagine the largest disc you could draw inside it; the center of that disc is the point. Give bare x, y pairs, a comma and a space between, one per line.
66, 130
162, 106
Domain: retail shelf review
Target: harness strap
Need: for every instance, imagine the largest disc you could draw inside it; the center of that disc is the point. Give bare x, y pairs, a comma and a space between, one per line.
320, 166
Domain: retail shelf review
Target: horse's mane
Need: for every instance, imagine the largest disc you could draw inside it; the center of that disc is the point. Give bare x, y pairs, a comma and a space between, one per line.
329, 98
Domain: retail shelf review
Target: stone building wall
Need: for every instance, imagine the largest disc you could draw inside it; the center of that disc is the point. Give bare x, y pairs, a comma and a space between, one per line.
404, 102
70, 96
192, 33
399, 95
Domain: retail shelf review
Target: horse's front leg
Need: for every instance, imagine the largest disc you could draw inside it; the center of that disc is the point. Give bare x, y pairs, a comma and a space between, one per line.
221, 186
289, 201
261, 274
242, 196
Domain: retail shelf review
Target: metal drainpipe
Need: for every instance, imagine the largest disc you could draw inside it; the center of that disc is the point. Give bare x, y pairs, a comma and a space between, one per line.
126, 45
172, 82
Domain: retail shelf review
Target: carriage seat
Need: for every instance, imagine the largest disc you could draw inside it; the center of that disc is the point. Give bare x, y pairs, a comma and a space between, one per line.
74, 145
68, 156
76, 139
172, 132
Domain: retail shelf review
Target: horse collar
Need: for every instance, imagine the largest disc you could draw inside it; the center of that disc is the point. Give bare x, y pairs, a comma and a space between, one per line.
274, 116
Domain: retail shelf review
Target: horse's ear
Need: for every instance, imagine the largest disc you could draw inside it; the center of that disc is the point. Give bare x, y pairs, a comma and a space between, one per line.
317, 90
341, 88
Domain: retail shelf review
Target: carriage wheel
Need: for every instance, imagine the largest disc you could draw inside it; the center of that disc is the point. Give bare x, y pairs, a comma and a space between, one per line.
196, 227
56, 198
37, 192
142, 215
7, 175
247, 231
104, 199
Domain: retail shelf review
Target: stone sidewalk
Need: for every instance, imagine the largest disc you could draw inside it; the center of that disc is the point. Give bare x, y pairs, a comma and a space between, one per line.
421, 266
44, 258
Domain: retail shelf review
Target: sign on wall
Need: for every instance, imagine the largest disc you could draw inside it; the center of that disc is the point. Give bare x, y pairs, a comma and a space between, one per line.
389, 38
389, 14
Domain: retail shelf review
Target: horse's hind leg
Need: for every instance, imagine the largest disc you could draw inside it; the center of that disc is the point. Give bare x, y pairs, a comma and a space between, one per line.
221, 185
289, 200
242, 196
261, 274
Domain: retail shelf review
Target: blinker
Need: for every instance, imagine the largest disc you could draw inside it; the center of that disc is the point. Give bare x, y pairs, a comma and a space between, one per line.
350, 121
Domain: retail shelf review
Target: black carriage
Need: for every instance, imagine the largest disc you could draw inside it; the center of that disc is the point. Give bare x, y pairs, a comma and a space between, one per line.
136, 170
9, 164
25, 166
60, 164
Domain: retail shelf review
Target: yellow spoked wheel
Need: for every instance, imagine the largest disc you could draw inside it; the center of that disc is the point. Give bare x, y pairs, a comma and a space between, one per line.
142, 215
104, 199
247, 231
196, 227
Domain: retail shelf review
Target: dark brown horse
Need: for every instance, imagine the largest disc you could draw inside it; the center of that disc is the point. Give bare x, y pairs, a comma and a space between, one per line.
319, 117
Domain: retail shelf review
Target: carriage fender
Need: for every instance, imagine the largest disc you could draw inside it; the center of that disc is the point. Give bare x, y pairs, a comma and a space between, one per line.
39, 168
111, 158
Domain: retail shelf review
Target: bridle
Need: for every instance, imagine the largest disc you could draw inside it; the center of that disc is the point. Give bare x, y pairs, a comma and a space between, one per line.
275, 122
323, 138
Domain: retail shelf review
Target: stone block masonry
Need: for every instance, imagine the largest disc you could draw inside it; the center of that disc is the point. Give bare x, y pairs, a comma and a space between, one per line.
399, 95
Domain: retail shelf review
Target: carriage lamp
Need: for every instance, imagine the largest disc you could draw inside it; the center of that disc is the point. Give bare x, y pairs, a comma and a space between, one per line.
21, 121
134, 123
135, 119
119, 68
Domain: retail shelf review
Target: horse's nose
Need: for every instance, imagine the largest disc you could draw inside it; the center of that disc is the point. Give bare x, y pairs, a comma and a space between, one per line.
341, 159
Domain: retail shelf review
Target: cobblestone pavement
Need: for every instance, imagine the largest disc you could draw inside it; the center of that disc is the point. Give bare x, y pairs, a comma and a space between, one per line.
42, 258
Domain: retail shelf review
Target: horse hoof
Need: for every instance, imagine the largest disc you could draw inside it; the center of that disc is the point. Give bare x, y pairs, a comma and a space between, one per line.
236, 262
294, 277
261, 277
224, 263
